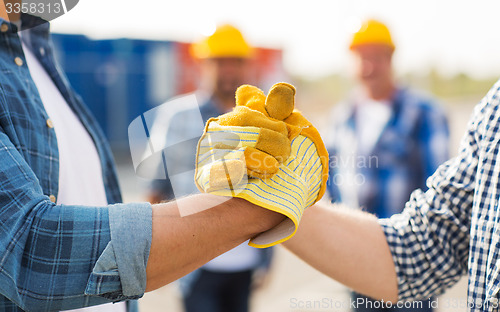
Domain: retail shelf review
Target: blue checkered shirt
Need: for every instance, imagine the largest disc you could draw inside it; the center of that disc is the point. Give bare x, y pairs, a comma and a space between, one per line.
454, 227
55, 257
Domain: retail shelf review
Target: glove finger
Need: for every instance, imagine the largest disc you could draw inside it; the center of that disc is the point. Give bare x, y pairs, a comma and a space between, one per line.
225, 174
280, 101
293, 131
217, 145
221, 140
243, 116
231, 139
259, 164
251, 97
274, 144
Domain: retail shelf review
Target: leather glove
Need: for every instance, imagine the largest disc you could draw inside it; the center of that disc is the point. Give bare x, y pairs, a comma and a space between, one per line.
266, 152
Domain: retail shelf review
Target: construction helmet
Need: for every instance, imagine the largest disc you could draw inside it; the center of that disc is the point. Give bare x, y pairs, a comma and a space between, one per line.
372, 32
226, 41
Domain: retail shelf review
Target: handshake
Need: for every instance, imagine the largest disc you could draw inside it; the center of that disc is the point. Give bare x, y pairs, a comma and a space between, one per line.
265, 152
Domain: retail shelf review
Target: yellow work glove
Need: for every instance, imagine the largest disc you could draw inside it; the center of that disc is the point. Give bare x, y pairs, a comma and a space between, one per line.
266, 152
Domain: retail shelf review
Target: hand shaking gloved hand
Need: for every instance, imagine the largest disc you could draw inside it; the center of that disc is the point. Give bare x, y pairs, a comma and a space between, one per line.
267, 153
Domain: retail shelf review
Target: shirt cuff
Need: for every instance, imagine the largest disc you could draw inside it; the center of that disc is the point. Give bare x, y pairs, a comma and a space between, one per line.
120, 272
397, 250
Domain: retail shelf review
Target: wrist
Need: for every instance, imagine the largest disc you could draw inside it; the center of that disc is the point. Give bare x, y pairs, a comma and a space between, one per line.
257, 219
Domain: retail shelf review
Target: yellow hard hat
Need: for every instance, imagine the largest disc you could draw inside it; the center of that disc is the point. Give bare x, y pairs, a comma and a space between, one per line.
226, 41
372, 32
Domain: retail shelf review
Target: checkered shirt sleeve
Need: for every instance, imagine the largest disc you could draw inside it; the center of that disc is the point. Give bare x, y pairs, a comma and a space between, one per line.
430, 239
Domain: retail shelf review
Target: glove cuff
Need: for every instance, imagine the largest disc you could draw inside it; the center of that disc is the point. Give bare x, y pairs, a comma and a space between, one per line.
278, 195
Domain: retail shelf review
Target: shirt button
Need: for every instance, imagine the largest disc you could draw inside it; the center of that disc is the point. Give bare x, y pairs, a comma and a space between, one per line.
19, 61
52, 198
4, 28
42, 51
50, 124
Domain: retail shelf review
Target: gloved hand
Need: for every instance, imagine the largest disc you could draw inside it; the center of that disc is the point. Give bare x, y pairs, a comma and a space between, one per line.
267, 153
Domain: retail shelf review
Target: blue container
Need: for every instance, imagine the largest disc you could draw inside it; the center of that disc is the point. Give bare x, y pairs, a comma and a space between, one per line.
118, 79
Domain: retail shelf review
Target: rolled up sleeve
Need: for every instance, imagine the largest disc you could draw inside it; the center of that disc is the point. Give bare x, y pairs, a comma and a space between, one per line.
120, 272
60, 257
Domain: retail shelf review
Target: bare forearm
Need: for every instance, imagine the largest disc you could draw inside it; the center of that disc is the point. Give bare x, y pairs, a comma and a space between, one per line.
350, 247
183, 242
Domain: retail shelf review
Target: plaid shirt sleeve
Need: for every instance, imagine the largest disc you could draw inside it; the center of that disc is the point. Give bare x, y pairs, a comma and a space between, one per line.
56, 258
430, 239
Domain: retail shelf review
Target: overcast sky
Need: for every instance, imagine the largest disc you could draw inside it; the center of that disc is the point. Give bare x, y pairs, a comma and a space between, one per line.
453, 35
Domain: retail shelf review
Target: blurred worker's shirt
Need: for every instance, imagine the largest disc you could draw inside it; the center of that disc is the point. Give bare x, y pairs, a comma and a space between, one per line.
371, 118
378, 157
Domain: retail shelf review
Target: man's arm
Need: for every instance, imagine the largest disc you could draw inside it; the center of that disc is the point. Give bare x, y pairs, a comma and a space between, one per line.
59, 257
348, 246
182, 244
428, 241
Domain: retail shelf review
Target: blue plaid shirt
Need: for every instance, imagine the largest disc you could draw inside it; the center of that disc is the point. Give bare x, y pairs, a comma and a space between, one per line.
55, 257
411, 146
454, 228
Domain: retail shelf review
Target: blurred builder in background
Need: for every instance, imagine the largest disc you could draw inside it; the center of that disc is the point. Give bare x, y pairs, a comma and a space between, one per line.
225, 283
386, 139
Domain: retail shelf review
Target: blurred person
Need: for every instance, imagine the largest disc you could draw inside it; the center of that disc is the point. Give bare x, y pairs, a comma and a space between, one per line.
387, 139
65, 240
225, 283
